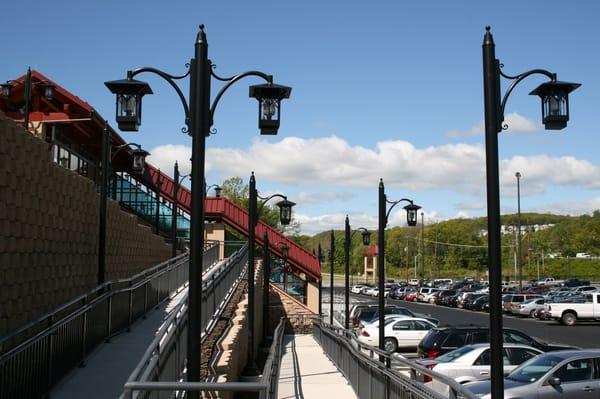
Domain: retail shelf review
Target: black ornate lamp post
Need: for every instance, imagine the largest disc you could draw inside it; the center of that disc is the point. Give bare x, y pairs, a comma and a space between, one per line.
384, 213
555, 114
139, 163
215, 187
519, 252
47, 87
320, 257
331, 258
285, 216
348, 234
199, 115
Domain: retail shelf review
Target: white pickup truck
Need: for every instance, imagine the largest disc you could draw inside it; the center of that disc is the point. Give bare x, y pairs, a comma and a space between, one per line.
549, 282
569, 312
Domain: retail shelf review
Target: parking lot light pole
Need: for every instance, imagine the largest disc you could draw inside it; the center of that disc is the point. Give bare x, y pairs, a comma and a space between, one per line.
411, 219
519, 251
555, 114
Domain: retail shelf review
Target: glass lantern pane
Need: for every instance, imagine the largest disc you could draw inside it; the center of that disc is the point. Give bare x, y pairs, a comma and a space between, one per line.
269, 109
285, 214
49, 92
138, 163
127, 105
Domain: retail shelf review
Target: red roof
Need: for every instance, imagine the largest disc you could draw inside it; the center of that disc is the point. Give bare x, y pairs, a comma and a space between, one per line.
371, 251
84, 125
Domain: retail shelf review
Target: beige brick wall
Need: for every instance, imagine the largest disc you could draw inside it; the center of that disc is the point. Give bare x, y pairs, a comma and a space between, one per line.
49, 231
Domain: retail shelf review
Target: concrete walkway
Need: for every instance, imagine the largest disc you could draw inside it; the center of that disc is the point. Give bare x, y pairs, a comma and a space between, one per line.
109, 366
306, 373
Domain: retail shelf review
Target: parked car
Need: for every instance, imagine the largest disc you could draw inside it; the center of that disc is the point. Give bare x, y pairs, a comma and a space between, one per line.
565, 374
431, 297
372, 291
472, 363
481, 304
528, 307
468, 300
568, 313
373, 314
424, 291
584, 289
365, 288
355, 289
574, 282
401, 333
443, 296
411, 297
442, 340
414, 282
515, 300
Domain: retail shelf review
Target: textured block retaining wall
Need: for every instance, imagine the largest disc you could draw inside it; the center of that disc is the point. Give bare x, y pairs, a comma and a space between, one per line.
49, 231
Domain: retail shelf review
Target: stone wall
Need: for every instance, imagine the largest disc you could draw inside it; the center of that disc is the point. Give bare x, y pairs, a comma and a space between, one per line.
299, 316
49, 231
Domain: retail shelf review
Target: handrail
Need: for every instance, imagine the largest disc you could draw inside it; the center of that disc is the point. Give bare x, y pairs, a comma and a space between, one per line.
266, 386
65, 340
354, 348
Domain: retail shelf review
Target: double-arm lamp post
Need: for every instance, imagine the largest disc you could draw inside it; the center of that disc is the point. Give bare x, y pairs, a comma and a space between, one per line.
366, 239
199, 116
47, 87
411, 219
285, 217
107, 155
555, 114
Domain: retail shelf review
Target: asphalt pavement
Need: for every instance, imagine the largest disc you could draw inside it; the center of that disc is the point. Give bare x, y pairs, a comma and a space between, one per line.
584, 335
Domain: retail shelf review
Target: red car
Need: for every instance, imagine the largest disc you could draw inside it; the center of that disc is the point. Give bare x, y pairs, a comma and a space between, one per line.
411, 297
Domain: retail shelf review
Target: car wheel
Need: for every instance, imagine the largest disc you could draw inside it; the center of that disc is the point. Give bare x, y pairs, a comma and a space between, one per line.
532, 314
390, 344
568, 319
432, 301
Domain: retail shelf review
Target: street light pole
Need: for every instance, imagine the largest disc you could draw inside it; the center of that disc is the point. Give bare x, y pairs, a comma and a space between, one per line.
347, 273
331, 256
174, 212
519, 253
251, 364
411, 220
555, 114
266, 281
105, 172
422, 245
491, 87
320, 257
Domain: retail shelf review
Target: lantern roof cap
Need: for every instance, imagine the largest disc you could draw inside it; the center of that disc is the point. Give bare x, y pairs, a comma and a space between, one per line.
285, 202
412, 206
554, 87
128, 86
270, 90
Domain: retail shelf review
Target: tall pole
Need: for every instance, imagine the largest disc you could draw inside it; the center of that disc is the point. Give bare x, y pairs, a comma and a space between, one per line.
347, 273
519, 254
105, 154
491, 86
422, 244
331, 256
157, 214
200, 68
174, 212
381, 260
266, 278
320, 255
437, 268
27, 99
251, 364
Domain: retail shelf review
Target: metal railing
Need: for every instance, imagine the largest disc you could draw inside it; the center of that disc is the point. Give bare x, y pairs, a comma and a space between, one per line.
64, 337
370, 374
142, 383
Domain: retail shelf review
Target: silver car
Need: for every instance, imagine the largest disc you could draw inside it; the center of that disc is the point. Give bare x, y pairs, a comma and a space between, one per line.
561, 374
529, 307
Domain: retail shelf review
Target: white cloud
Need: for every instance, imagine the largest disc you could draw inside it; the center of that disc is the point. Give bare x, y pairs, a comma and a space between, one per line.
572, 208
319, 197
516, 124
470, 205
333, 162
164, 157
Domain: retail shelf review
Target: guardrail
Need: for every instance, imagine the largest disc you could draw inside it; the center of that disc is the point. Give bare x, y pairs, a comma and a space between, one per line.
167, 384
371, 377
64, 337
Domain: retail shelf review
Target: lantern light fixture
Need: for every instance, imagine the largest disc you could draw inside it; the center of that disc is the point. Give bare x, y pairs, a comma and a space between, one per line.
6, 89
129, 93
411, 214
285, 211
269, 96
139, 159
555, 103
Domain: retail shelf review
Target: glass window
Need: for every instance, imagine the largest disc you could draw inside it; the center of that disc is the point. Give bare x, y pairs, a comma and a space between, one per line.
521, 355
480, 337
403, 325
513, 337
421, 325
484, 358
455, 339
534, 369
576, 370
455, 354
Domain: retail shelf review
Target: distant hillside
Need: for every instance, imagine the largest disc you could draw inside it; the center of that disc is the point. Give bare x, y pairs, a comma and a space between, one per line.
457, 247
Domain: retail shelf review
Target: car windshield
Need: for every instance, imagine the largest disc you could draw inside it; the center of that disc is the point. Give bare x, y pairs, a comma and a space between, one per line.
455, 354
534, 369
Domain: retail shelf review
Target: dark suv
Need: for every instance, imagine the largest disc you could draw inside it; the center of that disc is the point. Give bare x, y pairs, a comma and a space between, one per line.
441, 340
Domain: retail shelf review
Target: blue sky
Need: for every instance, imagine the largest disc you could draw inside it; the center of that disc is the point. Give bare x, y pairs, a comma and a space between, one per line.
388, 89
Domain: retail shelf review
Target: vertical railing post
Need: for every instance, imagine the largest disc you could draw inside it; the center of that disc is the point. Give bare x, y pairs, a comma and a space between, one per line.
109, 314
130, 318
145, 299
83, 332
50, 353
